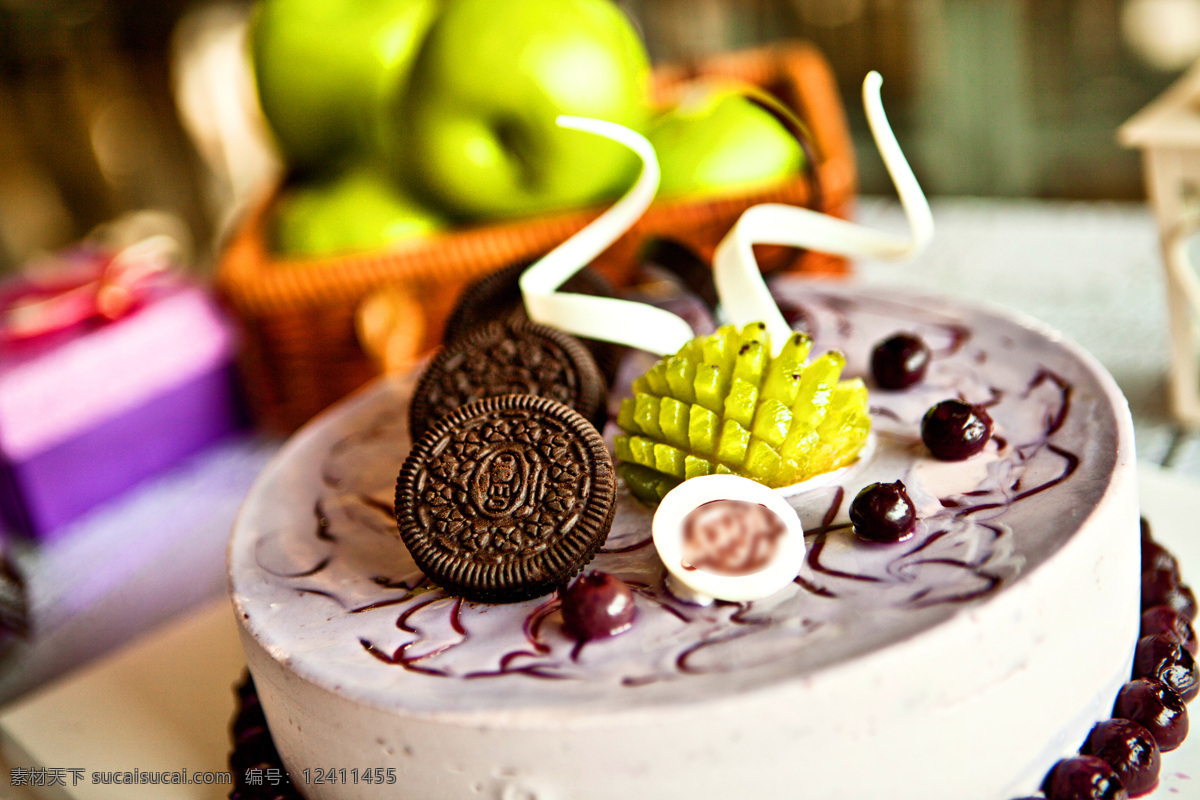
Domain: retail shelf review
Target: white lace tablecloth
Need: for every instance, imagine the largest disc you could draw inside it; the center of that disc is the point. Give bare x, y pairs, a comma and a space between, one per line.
1091, 270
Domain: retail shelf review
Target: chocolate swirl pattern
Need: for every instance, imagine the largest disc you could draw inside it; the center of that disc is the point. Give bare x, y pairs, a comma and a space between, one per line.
983, 524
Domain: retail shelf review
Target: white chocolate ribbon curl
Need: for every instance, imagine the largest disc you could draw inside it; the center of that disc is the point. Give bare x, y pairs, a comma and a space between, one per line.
740, 286
743, 293
604, 318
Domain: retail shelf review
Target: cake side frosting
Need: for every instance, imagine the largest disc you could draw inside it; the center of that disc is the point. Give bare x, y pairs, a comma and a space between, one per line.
333, 611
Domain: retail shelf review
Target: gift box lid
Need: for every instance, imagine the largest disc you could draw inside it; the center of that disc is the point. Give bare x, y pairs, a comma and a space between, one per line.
56, 386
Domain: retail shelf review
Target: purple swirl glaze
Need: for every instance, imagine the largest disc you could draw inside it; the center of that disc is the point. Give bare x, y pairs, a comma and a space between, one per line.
982, 524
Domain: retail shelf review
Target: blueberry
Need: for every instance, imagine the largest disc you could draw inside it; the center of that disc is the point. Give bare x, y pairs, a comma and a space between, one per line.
1083, 778
1184, 601
1164, 659
1156, 557
1130, 750
1157, 583
900, 361
1169, 622
1161, 587
883, 512
596, 606
954, 430
1156, 708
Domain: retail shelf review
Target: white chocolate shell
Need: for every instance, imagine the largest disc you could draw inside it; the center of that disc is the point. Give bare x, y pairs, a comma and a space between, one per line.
717, 573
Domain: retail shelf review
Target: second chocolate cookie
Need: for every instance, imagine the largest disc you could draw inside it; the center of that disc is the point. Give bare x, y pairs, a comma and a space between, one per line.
509, 357
498, 296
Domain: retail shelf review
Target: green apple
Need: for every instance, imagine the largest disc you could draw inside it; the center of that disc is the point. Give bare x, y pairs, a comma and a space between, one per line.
355, 212
718, 141
329, 71
478, 122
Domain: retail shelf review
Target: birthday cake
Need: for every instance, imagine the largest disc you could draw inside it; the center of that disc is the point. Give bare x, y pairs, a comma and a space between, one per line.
927, 591
1005, 624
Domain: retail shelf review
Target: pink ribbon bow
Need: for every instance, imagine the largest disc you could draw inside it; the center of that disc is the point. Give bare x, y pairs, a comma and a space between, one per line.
100, 286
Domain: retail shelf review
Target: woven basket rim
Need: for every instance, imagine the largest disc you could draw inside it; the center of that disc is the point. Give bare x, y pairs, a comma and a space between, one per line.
252, 279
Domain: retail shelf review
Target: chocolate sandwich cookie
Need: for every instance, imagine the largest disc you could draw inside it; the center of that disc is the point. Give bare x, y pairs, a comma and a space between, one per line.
509, 357
506, 498
498, 296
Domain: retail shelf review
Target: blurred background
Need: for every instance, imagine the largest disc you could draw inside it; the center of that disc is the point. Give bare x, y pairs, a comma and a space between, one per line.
1007, 109
114, 105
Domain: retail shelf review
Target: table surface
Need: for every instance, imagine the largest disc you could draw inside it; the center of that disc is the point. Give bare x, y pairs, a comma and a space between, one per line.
1091, 270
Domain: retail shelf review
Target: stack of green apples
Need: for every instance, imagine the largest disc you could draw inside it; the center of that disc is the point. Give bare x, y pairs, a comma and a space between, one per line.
399, 118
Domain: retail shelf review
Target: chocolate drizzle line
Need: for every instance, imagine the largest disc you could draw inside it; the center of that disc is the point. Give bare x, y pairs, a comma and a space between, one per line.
456, 617
1065, 389
532, 629
930, 540
400, 656
323, 532
883, 411
395, 601
659, 598
1072, 464
349, 443
834, 507
378, 505
681, 661
993, 582
996, 396
814, 560
387, 583
820, 529
629, 548
322, 593
808, 586
305, 573
532, 670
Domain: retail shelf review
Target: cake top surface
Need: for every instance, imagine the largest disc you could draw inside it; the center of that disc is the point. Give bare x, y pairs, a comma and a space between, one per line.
322, 581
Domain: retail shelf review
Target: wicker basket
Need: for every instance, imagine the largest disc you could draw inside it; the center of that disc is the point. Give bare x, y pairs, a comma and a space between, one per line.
301, 351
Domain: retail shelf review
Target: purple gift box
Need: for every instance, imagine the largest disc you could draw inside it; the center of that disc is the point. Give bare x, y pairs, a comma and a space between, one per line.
87, 412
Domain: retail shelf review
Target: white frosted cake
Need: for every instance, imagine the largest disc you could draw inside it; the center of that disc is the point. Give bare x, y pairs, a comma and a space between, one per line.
959, 663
